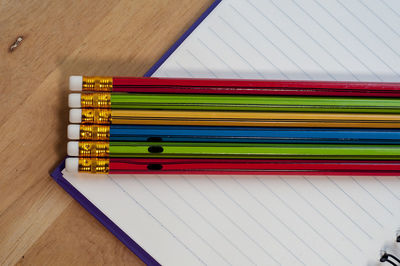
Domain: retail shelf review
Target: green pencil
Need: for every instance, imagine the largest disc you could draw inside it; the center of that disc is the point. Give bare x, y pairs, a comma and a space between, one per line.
232, 150
233, 102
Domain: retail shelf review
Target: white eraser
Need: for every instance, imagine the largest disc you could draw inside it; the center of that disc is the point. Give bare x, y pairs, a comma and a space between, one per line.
72, 165
73, 148
74, 100
75, 115
75, 83
74, 132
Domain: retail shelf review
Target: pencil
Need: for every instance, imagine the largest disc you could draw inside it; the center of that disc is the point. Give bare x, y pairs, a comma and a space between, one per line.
232, 150
153, 133
251, 119
234, 103
230, 166
231, 86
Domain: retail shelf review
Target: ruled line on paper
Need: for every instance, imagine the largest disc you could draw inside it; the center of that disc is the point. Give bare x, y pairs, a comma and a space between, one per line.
253, 47
368, 28
372, 196
299, 217
276, 238
355, 202
265, 38
232, 221
291, 39
388, 189
184, 69
326, 50
193, 230
357, 38
390, 8
236, 52
218, 57
239, 250
201, 63
337, 41
321, 214
338, 208
158, 221
377, 17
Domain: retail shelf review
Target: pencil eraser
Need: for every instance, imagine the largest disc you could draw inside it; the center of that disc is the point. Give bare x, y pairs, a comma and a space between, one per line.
75, 83
73, 148
74, 100
75, 115
74, 132
72, 165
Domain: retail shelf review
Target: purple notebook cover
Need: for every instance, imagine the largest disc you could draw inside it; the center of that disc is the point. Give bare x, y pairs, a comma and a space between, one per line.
90, 207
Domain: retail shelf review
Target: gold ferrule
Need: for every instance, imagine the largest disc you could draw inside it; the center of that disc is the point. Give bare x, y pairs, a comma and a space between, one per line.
97, 83
94, 165
96, 116
94, 132
96, 100
94, 149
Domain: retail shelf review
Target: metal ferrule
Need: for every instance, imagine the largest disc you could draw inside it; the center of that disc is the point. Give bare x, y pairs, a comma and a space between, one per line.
97, 83
94, 149
94, 165
94, 132
96, 100
96, 116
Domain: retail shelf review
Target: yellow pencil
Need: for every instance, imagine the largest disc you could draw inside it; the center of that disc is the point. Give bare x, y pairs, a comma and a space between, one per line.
253, 119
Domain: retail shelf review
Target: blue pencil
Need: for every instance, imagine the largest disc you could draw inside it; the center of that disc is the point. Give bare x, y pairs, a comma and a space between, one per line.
233, 134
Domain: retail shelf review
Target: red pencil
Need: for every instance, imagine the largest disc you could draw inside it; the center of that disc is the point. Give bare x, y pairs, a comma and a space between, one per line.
231, 166
231, 86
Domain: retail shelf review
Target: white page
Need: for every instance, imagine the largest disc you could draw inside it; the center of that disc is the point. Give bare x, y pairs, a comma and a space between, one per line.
268, 220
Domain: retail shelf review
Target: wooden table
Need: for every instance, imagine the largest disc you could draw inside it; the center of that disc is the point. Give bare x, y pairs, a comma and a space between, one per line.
40, 224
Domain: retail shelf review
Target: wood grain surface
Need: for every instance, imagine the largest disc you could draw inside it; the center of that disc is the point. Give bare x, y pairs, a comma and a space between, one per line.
40, 224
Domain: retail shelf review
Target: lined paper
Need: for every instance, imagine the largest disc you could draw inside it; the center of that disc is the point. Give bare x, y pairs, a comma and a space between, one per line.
268, 220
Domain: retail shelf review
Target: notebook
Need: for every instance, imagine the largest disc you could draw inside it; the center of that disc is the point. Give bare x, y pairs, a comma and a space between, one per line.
262, 220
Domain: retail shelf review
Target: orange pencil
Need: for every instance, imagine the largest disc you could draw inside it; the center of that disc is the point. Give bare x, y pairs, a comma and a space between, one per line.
253, 119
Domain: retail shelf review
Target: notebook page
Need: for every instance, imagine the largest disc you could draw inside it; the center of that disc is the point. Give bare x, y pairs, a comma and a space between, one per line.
245, 220
311, 40
268, 220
